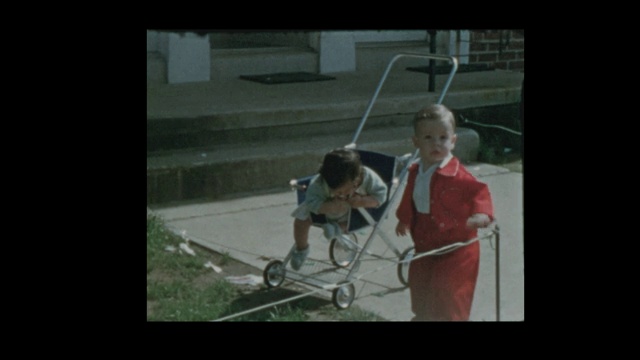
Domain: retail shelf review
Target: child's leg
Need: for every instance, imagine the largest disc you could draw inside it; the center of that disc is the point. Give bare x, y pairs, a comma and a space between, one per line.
419, 289
456, 283
442, 286
301, 232
343, 226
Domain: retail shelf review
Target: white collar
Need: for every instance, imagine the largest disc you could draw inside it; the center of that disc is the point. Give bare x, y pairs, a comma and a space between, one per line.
443, 162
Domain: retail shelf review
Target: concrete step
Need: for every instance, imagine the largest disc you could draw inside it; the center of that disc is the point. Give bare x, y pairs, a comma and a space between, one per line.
200, 115
375, 56
234, 170
214, 140
255, 39
204, 133
231, 63
197, 134
156, 68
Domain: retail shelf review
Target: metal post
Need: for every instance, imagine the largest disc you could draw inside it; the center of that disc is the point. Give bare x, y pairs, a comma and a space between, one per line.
432, 62
497, 273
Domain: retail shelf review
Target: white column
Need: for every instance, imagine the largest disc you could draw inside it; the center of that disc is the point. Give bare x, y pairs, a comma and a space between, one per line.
188, 57
336, 52
459, 45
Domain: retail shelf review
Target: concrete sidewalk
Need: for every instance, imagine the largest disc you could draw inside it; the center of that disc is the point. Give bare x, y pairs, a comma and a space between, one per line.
257, 229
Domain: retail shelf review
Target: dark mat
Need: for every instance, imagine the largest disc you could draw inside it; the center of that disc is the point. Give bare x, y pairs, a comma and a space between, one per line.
285, 78
446, 69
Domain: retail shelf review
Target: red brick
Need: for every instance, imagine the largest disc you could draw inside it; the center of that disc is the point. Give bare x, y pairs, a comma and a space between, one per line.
517, 35
477, 46
487, 57
501, 65
507, 55
476, 36
517, 44
495, 47
487, 63
516, 65
494, 35
505, 46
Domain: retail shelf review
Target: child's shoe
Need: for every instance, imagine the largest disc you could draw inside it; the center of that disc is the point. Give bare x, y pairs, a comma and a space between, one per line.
298, 257
331, 230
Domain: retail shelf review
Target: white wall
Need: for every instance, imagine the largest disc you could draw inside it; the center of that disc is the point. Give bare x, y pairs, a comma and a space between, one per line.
187, 55
388, 35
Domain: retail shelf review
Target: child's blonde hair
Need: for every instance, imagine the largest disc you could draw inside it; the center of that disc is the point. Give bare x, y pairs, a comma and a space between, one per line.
434, 112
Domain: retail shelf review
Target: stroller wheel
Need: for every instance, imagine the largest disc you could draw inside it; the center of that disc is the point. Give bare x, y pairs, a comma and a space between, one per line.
274, 273
403, 267
342, 252
343, 295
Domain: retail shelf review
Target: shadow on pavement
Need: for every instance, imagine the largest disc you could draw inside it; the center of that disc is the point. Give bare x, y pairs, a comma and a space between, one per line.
264, 297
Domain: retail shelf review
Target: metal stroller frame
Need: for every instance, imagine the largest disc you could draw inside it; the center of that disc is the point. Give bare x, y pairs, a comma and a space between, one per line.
339, 275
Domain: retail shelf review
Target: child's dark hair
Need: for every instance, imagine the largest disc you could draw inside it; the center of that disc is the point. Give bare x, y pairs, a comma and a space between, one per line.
340, 166
434, 112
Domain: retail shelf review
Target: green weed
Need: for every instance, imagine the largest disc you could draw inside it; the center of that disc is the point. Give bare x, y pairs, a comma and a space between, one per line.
172, 294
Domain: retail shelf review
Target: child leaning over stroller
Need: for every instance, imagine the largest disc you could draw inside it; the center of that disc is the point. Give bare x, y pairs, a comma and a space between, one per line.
341, 184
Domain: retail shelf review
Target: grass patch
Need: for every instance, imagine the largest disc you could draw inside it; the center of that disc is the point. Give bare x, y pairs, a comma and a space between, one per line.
181, 288
350, 314
225, 258
178, 301
284, 312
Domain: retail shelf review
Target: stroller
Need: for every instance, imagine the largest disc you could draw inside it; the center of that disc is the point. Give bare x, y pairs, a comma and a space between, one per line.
346, 252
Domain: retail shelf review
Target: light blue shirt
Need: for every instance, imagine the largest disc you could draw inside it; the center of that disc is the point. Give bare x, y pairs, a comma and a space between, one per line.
422, 189
318, 191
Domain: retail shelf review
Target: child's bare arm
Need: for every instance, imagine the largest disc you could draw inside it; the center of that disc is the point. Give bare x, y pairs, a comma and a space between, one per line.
365, 201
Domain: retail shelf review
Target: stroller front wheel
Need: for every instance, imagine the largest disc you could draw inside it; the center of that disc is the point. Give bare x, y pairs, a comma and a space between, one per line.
274, 273
344, 295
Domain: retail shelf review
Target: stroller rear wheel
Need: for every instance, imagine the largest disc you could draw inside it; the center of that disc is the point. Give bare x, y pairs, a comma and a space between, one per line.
403, 266
342, 253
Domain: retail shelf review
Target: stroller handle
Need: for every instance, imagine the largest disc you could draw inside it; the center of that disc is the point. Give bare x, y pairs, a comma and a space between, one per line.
454, 68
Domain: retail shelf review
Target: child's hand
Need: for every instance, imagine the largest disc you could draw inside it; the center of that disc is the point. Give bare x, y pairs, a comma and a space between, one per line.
478, 221
339, 206
402, 229
355, 201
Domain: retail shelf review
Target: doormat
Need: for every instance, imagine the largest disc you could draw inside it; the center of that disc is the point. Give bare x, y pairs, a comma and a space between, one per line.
446, 69
286, 78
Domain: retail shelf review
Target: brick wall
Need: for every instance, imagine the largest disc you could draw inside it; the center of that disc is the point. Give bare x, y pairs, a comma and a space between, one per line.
501, 49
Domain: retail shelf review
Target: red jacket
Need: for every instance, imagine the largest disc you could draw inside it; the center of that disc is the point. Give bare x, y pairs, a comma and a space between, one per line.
455, 196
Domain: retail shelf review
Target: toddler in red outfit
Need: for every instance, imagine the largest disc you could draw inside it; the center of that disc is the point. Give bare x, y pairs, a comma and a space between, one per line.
442, 204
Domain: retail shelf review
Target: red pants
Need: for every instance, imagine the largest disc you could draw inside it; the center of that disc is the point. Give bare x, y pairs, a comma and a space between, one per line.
442, 286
